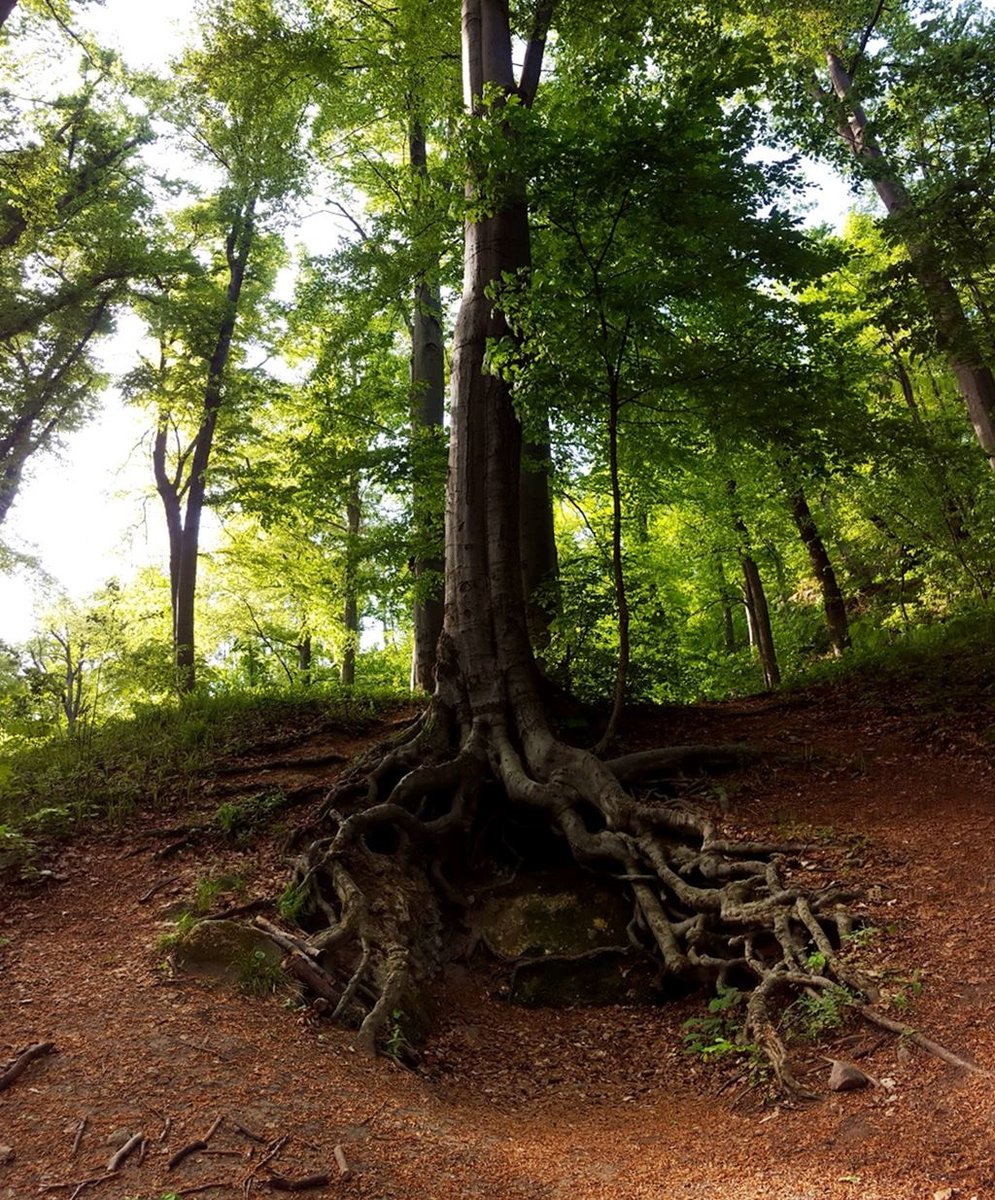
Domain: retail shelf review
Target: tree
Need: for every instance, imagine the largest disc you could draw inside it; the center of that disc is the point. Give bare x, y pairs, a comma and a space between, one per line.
75, 218
485, 743
249, 125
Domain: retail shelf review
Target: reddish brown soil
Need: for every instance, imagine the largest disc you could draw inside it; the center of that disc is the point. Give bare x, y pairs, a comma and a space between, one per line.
513, 1103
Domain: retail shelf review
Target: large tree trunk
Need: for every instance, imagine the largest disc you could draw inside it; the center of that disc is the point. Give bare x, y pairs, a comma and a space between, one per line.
6, 8
955, 335
818, 556
428, 387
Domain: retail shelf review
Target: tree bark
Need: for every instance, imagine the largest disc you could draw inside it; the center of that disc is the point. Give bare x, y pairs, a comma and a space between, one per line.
955, 336
350, 608
428, 387
6, 8
818, 556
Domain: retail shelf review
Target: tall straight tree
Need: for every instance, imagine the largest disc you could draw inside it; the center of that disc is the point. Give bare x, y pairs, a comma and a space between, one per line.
233, 97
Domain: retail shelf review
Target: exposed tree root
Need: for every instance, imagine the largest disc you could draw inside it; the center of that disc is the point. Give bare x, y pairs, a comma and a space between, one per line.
394, 866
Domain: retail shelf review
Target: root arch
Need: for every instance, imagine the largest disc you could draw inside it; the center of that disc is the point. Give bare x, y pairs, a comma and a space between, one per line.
382, 884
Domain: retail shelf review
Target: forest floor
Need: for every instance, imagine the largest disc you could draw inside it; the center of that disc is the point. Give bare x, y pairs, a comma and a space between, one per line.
891, 778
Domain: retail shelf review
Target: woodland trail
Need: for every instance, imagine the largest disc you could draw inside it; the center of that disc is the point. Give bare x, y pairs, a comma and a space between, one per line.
897, 793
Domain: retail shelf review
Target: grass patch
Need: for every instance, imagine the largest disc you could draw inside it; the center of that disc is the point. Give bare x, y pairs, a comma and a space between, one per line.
51, 785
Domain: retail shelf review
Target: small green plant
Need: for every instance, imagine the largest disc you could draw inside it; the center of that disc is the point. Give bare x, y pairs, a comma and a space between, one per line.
396, 1042
258, 975
720, 1033
238, 820
861, 938
208, 889
181, 927
294, 901
17, 851
905, 991
815, 1014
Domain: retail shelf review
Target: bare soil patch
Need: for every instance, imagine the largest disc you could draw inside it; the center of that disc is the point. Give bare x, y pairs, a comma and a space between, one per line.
894, 789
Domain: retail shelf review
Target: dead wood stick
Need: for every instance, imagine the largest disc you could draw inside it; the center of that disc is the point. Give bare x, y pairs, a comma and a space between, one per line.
201, 1187
22, 1061
129, 1148
271, 1153
80, 1129
253, 1137
919, 1039
156, 887
167, 1125
345, 1171
192, 1147
280, 1183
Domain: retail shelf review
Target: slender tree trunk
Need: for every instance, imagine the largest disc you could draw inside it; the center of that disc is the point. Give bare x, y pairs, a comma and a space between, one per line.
818, 556
428, 387
755, 599
618, 575
540, 563
758, 619
727, 600
6, 8
350, 609
955, 335
304, 658
238, 246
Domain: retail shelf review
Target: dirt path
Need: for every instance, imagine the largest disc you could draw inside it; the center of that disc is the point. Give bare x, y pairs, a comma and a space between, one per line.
515, 1103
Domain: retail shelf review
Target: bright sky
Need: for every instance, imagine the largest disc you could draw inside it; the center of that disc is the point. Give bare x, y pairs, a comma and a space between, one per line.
88, 513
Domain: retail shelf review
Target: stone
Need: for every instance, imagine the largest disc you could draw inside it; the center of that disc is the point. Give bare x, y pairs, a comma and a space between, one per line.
118, 1138
572, 933
846, 1077
222, 949
6, 1155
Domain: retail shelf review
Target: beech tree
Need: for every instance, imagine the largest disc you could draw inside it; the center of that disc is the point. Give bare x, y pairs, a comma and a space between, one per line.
379, 877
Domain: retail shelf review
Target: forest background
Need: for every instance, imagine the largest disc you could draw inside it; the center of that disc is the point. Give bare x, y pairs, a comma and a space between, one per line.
759, 445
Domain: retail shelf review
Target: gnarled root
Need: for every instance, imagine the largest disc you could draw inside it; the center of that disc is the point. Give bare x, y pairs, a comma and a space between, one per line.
378, 887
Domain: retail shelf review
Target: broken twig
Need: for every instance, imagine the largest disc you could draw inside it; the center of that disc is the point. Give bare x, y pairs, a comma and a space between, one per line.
22, 1061
129, 1148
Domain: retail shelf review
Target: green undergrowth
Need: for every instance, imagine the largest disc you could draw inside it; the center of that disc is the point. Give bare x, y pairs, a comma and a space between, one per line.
51, 785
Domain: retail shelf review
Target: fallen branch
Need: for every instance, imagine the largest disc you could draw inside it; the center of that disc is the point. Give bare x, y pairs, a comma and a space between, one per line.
253, 1137
664, 763
22, 1061
201, 1187
345, 1171
279, 1183
193, 1147
80, 1129
919, 1039
76, 1185
271, 1153
129, 1148
156, 887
